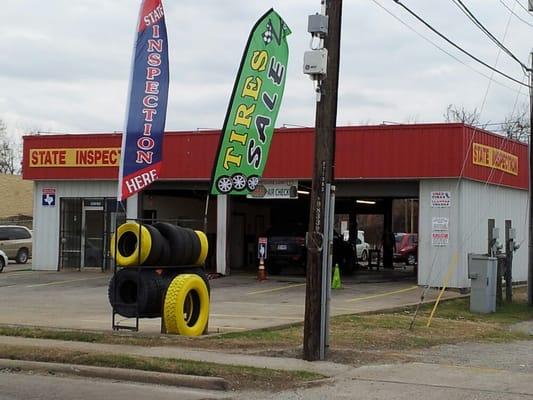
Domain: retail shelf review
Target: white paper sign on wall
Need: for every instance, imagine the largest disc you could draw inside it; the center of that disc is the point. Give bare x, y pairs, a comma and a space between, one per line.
440, 238
440, 224
441, 199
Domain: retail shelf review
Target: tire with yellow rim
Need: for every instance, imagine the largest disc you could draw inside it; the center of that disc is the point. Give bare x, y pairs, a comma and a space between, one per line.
186, 308
204, 248
132, 245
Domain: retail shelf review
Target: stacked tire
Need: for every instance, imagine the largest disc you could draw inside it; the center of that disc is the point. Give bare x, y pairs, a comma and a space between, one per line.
161, 244
161, 275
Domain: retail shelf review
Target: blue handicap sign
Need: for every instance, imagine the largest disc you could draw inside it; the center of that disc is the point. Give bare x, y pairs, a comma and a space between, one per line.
49, 200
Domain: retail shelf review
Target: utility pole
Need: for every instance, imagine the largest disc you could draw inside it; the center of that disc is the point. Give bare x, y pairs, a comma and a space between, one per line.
509, 249
325, 125
530, 247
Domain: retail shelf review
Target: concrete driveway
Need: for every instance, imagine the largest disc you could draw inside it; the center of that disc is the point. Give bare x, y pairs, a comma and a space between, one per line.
78, 300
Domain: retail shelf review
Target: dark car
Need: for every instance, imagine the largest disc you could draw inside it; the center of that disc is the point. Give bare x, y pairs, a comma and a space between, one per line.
286, 247
406, 248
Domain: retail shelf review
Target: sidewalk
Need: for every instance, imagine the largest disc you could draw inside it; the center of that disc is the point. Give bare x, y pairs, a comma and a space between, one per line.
280, 363
407, 381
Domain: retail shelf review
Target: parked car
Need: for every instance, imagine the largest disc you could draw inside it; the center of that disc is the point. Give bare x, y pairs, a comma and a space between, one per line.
3, 260
361, 247
406, 248
16, 242
286, 247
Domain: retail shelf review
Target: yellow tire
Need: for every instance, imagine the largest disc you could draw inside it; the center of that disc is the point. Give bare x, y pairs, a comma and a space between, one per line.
186, 309
125, 249
204, 248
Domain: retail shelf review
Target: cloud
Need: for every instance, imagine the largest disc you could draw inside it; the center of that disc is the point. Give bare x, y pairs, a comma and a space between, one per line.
65, 64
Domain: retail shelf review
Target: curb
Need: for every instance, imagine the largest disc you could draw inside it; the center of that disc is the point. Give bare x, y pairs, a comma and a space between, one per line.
132, 375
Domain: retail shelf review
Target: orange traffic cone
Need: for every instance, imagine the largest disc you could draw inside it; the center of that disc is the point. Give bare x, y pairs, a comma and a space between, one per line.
261, 272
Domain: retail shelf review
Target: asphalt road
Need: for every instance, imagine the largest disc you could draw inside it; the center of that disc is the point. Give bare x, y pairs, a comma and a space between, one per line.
21, 386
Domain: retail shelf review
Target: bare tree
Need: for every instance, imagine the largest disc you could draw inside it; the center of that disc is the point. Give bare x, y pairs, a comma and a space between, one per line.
8, 154
516, 124
461, 114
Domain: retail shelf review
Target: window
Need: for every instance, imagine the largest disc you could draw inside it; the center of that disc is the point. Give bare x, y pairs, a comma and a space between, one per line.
4, 234
20, 233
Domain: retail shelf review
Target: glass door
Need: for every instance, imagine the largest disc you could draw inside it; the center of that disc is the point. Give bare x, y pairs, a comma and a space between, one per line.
92, 241
70, 233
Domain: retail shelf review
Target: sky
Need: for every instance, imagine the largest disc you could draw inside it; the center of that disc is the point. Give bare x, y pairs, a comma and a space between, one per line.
65, 64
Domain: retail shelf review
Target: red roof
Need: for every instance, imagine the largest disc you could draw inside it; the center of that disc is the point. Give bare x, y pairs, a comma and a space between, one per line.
362, 153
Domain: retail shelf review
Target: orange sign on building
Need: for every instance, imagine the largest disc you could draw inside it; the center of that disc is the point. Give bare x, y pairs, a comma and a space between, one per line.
71, 157
491, 157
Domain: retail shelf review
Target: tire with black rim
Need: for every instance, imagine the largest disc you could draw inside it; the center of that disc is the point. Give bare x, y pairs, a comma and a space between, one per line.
131, 291
22, 256
175, 237
156, 253
196, 246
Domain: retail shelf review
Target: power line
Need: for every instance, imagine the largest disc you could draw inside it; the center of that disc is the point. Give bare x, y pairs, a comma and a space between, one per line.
516, 15
478, 23
522, 6
457, 46
442, 49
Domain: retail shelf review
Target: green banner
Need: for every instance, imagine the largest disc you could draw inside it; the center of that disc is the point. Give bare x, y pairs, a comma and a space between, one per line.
253, 109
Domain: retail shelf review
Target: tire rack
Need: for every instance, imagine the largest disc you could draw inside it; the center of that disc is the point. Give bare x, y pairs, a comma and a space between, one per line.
116, 325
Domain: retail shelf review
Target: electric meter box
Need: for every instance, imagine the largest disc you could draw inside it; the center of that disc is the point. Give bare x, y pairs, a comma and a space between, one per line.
317, 24
483, 271
316, 62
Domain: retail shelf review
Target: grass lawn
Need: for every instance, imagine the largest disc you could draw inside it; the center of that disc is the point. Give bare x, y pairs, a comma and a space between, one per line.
354, 339
239, 377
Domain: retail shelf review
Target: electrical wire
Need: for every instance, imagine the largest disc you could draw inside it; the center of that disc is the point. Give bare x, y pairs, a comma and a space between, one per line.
457, 186
521, 5
477, 22
442, 49
516, 15
442, 36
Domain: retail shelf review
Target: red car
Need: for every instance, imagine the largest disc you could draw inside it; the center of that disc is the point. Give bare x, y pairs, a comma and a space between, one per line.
406, 248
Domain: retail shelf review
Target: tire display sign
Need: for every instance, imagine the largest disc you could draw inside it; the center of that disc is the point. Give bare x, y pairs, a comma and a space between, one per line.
441, 199
253, 108
142, 141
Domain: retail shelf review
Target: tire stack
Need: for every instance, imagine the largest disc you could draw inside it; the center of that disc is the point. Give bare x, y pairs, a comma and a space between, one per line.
162, 275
